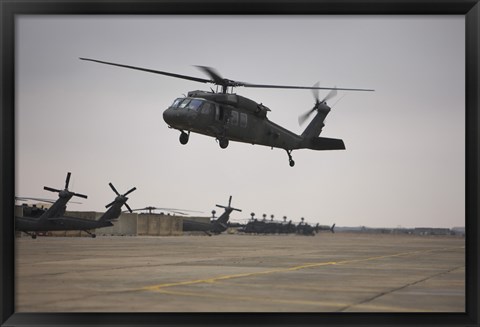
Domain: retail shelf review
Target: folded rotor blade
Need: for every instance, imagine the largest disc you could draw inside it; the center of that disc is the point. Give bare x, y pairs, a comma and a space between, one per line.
19, 198
41, 199
196, 79
113, 188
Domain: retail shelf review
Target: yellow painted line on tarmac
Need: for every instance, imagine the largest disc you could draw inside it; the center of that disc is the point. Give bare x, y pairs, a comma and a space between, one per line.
251, 298
161, 287
224, 277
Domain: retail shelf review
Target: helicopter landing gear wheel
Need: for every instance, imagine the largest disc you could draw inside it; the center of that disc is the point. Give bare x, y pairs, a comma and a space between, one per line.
184, 137
290, 159
34, 236
91, 234
223, 142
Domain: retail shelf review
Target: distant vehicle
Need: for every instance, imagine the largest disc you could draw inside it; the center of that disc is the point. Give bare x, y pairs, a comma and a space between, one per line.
230, 117
216, 226
45, 223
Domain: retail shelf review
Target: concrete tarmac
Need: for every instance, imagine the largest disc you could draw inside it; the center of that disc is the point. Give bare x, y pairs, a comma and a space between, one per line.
339, 272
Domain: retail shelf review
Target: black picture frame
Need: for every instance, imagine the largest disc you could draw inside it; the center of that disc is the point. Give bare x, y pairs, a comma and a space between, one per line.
11, 8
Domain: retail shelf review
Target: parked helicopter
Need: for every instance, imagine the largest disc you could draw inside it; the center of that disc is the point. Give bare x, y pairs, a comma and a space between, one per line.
57, 209
319, 228
255, 226
216, 226
227, 116
47, 222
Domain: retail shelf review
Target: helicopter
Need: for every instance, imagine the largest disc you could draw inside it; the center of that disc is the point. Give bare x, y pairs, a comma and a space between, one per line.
319, 228
227, 116
57, 209
216, 226
53, 219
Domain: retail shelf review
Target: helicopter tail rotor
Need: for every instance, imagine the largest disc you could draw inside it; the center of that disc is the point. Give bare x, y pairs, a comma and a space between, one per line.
121, 198
229, 207
318, 104
65, 192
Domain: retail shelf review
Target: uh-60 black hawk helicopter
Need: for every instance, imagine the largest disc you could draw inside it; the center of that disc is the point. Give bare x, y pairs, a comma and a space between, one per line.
54, 219
231, 117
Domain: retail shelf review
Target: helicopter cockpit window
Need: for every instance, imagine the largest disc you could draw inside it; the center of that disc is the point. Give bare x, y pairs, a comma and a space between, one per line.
184, 103
176, 102
195, 104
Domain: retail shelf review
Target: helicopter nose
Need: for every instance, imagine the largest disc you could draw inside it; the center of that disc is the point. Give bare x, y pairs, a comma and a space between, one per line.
178, 118
167, 116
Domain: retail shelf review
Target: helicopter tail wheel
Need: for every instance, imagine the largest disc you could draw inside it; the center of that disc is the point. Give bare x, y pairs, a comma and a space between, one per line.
223, 142
290, 159
184, 138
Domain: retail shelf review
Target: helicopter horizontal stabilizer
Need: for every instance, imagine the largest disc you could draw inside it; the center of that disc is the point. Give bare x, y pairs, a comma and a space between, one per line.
324, 143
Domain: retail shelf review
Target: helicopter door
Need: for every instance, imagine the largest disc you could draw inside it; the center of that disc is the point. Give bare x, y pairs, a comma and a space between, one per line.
219, 113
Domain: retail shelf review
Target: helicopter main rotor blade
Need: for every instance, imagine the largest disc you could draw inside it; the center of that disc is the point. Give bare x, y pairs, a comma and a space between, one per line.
213, 74
22, 198
217, 79
298, 87
190, 78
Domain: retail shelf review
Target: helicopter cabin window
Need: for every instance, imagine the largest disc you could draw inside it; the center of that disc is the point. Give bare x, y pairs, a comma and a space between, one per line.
195, 104
243, 120
206, 108
184, 103
176, 102
233, 118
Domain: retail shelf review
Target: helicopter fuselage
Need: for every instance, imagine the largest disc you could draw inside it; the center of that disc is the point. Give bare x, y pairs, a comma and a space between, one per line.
58, 223
229, 116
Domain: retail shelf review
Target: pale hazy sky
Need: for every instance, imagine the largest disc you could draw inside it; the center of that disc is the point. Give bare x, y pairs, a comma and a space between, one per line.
405, 159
